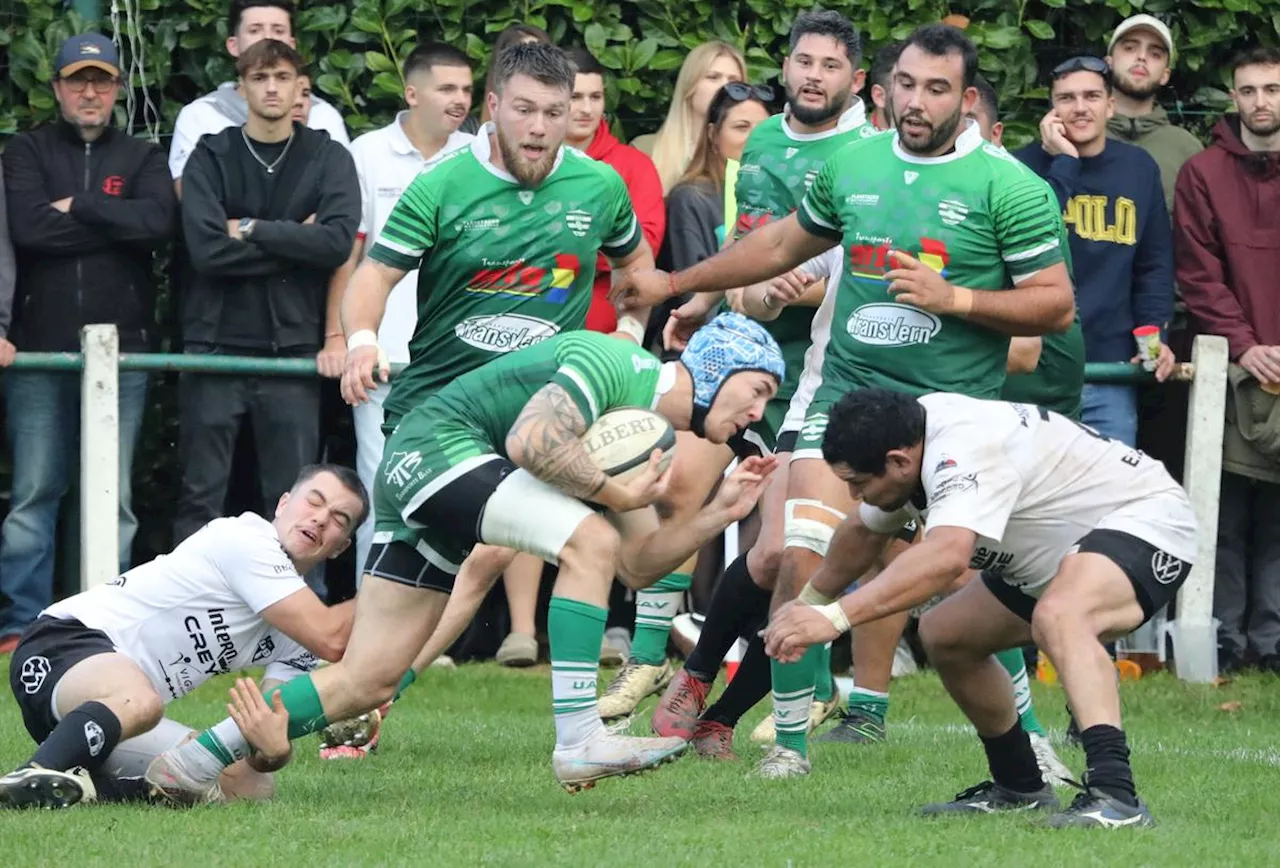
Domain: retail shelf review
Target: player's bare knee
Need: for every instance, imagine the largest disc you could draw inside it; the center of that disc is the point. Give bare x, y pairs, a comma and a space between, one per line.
592, 549
1055, 620
941, 640
763, 563
138, 711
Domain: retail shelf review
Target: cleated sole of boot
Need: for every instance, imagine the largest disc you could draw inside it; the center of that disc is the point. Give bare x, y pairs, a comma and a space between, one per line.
40, 791
574, 787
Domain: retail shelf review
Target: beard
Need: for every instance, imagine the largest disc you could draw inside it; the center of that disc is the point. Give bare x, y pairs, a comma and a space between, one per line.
530, 173
1132, 89
1261, 131
938, 134
812, 116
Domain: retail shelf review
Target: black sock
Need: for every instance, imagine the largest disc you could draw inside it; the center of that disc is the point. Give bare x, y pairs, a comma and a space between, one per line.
85, 737
1106, 754
1012, 761
116, 790
749, 685
737, 602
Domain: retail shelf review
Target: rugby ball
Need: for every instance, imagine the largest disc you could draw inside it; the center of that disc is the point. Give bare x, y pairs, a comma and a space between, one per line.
620, 441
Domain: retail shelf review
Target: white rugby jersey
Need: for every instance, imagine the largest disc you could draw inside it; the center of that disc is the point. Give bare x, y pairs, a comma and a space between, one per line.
828, 266
192, 614
1031, 484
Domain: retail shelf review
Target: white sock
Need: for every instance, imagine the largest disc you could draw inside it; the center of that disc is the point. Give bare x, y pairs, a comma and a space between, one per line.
1022, 693
573, 692
791, 711
230, 738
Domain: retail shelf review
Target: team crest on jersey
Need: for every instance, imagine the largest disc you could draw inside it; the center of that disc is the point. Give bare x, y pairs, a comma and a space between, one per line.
952, 211
579, 222
1166, 568
34, 672
264, 650
814, 427
402, 466
811, 176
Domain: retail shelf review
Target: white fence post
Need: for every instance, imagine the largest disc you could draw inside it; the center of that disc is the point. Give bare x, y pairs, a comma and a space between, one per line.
99, 456
1195, 641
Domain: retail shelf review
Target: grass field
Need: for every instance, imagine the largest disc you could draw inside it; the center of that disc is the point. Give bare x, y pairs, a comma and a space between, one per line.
464, 778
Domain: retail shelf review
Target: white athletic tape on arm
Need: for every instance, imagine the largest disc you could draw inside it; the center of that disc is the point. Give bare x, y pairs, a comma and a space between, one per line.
631, 327
810, 595
833, 613
809, 533
368, 338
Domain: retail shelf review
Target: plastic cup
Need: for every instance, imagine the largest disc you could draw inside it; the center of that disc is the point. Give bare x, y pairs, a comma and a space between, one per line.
1148, 340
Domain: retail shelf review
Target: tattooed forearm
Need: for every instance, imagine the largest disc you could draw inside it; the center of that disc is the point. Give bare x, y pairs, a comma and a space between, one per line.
544, 441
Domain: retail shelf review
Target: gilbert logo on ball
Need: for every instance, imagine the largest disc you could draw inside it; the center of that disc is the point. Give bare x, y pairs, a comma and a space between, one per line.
621, 441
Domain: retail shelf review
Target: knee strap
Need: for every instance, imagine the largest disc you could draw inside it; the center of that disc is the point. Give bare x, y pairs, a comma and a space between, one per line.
810, 524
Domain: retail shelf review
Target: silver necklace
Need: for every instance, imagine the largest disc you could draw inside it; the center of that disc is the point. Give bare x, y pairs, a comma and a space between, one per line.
270, 167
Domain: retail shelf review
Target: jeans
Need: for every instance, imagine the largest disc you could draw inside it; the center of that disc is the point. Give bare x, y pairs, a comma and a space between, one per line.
1111, 410
43, 429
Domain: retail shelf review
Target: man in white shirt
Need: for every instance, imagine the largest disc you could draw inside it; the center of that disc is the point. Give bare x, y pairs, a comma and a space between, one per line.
1080, 539
93, 674
438, 82
249, 21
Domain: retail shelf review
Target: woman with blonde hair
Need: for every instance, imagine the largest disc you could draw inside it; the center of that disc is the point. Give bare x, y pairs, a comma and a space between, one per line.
707, 68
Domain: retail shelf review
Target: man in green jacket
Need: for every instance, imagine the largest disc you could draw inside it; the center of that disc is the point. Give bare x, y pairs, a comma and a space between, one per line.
1141, 54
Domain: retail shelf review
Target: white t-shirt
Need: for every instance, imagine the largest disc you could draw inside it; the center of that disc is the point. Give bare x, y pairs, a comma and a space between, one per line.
194, 613
1031, 484
206, 116
830, 267
387, 162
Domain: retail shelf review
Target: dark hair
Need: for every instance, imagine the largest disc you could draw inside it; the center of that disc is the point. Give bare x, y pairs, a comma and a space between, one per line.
514, 34
706, 165
987, 97
431, 54
824, 22
545, 64
238, 8
584, 62
268, 54
866, 424
349, 479
1259, 55
940, 40
882, 64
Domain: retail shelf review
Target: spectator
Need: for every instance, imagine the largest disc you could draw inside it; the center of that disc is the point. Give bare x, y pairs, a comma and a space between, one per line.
1121, 246
695, 206
437, 91
248, 22
302, 108
702, 74
1228, 255
269, 211
8, 277
1141, 55
87, 208
881, 77
589, 133
513, 34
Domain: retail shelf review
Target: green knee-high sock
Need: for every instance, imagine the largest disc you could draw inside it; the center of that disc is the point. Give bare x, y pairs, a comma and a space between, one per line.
656, 606
872, 703
1016, 665
792, 695
575, 630
824, 685
306, 715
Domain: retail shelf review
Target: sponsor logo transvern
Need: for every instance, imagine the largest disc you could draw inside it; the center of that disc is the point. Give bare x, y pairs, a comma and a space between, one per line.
504, 333
892, 325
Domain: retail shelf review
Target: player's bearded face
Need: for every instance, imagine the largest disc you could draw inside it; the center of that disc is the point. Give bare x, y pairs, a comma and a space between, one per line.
531, 125
818, 79
923, 132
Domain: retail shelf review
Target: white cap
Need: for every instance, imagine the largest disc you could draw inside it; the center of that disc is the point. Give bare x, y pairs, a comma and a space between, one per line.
1133, 22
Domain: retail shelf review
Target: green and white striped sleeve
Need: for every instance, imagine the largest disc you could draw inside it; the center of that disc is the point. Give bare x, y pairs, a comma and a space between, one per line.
594, 370
1027, 223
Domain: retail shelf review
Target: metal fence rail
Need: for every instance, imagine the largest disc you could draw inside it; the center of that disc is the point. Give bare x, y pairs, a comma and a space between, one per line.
1192, 631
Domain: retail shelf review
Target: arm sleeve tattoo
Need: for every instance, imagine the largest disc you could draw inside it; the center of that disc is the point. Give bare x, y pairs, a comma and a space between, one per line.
547, 431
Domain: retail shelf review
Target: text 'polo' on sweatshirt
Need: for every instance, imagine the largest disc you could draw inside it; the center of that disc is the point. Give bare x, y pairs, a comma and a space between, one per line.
1121, 242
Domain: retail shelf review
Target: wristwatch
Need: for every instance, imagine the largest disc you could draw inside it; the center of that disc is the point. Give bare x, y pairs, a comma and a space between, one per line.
246, 227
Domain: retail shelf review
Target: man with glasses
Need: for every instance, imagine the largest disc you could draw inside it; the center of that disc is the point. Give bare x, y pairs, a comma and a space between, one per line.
88, 206
1119, 230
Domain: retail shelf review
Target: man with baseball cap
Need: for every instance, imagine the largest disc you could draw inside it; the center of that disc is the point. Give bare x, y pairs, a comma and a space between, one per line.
88, 205
1141, 53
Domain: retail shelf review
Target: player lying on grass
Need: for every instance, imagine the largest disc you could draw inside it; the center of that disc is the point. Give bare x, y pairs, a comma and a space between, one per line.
93, 674
1080, 539
496, 457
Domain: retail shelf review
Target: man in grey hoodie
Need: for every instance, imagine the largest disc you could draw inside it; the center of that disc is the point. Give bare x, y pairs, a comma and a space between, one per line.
249, 21
1141, 54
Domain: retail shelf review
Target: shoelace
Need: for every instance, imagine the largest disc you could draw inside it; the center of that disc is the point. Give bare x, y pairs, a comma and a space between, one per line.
685, 692
619, 683
976, 790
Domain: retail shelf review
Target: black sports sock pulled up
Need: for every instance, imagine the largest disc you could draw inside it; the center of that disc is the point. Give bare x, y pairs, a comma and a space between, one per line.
1012, 761
85, 737
1106, 754
737, 602
123, 790
748, 687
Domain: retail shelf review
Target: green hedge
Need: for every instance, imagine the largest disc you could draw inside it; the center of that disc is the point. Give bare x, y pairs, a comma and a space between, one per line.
357, 48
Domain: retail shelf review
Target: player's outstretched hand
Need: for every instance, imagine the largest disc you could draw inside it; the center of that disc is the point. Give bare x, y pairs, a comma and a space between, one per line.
358, 373
740, 492
787, 287
685, 320
265, 727
914, 283
793, 628
644, 489
635, 288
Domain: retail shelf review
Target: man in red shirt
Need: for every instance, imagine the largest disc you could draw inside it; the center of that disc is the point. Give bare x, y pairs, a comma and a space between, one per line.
1227, 252
589, 132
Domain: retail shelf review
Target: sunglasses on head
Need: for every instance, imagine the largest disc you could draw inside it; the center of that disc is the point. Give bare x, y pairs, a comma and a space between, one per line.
736, 92
1083, 63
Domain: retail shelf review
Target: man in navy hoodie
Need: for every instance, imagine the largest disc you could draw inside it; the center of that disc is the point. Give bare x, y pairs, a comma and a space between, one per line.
1121, 241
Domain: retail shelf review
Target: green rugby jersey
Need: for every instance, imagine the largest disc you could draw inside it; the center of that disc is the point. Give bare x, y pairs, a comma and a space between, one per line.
502, 266
778, 165
976, 215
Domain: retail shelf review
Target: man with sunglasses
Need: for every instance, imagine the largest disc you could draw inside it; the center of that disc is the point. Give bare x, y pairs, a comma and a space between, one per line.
1119, 231
88, 206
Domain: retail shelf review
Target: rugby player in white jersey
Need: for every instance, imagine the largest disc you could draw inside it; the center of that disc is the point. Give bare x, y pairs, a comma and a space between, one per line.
1080, 540
93, 674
